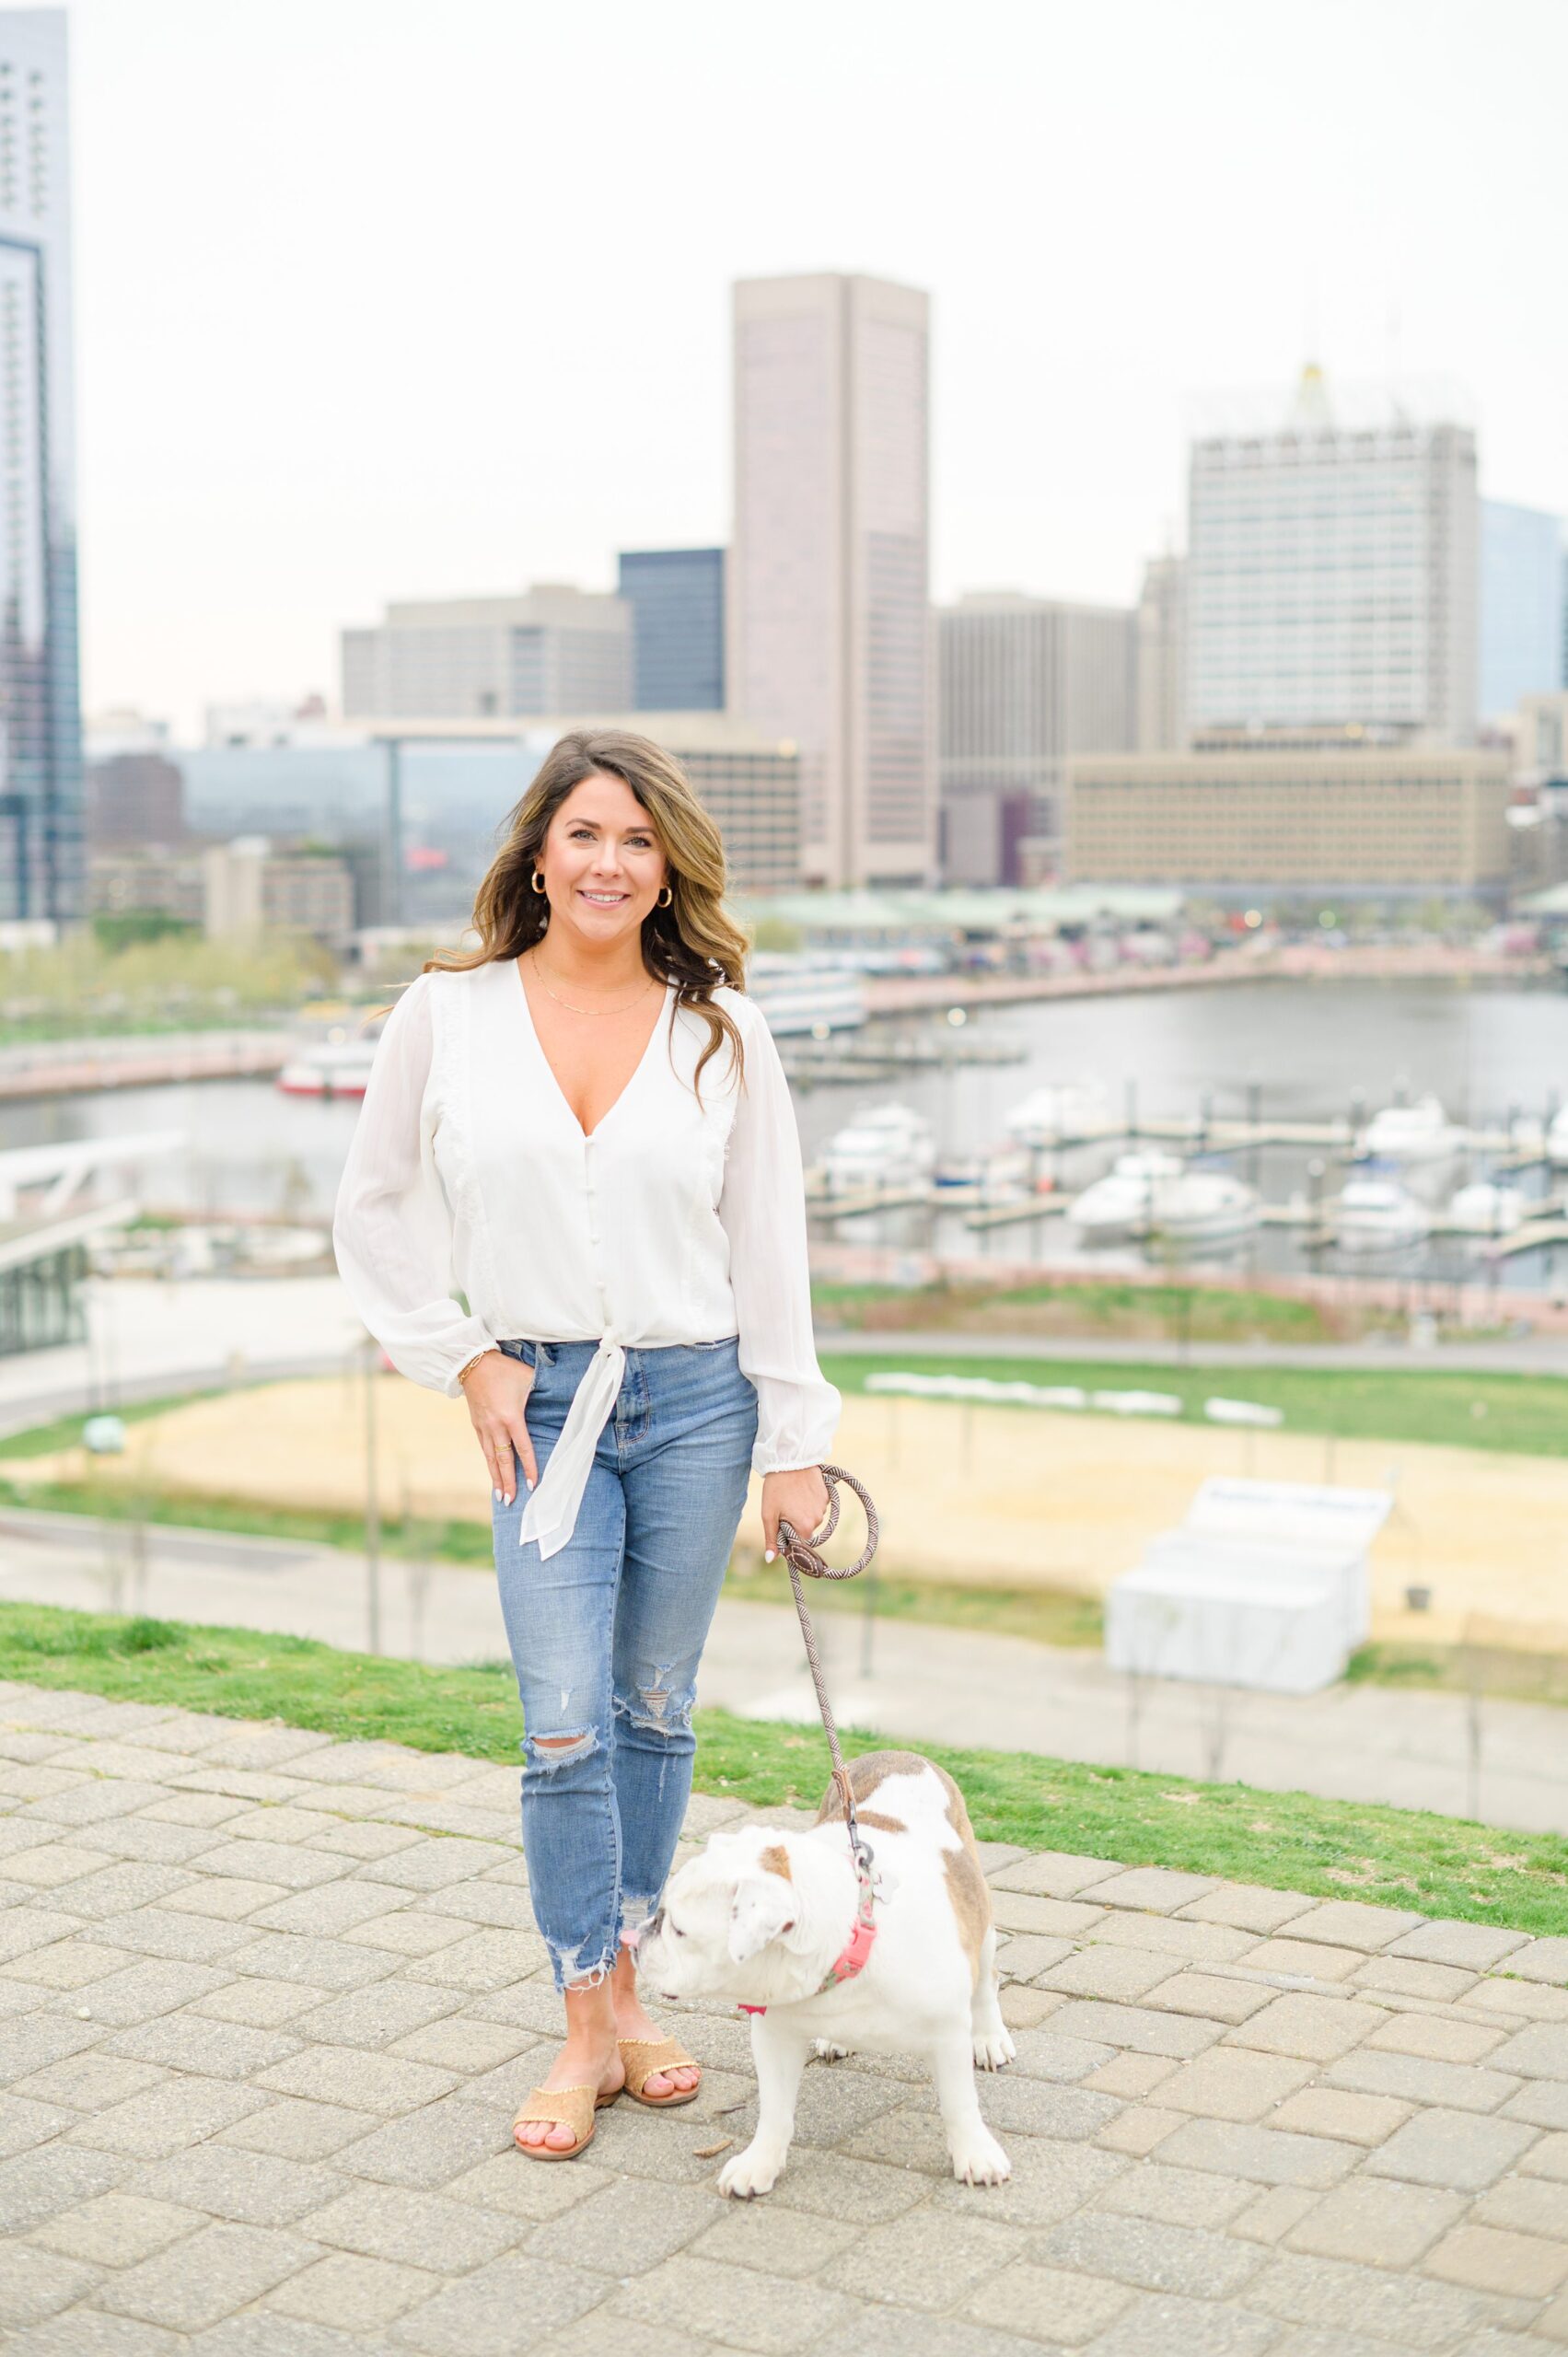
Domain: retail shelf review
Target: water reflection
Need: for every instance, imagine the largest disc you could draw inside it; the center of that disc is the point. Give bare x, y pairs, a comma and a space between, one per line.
1286, 1050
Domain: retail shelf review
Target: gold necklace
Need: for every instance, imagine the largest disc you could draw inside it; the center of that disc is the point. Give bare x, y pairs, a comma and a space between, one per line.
588, 1010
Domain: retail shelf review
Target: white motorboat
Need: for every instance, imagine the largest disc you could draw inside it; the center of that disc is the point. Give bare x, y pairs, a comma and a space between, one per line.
1487, 1207
1377, 1214
1418, 1133
1065, 1109
330, 1069
1152, 1193
890, 1146
1002, 1174
1206, 1205
1120, 1204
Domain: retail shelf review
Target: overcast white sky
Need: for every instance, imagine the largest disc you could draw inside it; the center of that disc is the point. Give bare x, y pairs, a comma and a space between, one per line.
392, 297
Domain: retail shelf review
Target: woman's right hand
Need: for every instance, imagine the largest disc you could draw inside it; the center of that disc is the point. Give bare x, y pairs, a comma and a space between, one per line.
497, 1392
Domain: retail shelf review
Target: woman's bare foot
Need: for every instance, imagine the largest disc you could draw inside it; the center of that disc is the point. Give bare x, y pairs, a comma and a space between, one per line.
630, 2021
588, 2059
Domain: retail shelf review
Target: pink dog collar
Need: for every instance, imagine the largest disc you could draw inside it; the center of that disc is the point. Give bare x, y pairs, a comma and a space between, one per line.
850, 1960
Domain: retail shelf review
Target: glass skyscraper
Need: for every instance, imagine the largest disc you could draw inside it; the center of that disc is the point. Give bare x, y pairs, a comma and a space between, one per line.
1521, 605
41, 752
677, 601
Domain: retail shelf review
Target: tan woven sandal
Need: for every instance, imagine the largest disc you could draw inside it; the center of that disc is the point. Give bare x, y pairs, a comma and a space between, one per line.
572, 2107
644, 2058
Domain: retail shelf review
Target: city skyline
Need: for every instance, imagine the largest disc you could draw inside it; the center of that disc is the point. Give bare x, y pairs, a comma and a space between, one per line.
329, 385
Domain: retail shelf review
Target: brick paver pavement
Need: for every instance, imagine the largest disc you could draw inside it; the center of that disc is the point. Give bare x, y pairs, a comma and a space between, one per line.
268, 2003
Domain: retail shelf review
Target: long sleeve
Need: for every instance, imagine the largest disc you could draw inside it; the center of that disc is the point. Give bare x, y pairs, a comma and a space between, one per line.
762, 1209
392, 1230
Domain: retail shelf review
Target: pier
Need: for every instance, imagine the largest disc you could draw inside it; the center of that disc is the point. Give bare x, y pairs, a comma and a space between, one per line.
81, 1067
1546, 1227
1296, 962
855, 1056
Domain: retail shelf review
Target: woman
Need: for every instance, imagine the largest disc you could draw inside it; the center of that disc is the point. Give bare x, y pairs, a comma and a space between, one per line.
575, 1195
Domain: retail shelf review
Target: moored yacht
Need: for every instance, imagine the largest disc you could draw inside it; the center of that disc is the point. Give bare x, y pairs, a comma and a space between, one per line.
331, 1068
1064, 1110
1488, 1207
1377, 1214
999, 1174
1418, 1133
889, 1146
1152, 1193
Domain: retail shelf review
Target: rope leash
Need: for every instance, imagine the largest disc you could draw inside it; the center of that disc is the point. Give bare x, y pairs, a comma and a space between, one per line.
805, 1560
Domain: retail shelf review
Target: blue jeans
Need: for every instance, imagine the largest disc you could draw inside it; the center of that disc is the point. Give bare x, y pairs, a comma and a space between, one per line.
607, 1633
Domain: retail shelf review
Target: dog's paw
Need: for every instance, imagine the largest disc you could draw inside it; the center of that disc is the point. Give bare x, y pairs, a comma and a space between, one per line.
828, 2052
994, 2049
750, 2174
981, 2160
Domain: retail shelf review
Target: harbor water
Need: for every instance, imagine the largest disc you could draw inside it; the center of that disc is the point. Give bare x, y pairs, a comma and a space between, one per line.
1280, 1050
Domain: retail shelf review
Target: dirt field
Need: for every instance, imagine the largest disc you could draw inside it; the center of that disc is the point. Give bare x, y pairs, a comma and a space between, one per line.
998, 1496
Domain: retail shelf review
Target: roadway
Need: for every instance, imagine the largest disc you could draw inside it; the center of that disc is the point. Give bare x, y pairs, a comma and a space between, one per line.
930, 1683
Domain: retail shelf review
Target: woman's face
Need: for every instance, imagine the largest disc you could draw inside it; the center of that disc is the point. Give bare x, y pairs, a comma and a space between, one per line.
602, 862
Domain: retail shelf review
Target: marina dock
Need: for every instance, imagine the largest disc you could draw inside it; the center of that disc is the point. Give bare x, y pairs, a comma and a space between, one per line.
1546, 1226
82, 1067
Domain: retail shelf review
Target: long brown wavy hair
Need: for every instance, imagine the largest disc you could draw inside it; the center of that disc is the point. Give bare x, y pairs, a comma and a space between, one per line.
694, 943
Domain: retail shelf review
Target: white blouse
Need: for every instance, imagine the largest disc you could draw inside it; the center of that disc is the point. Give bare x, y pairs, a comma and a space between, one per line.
674, 1220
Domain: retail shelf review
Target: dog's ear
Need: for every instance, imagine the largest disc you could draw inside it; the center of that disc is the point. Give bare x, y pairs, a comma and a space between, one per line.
762, 1909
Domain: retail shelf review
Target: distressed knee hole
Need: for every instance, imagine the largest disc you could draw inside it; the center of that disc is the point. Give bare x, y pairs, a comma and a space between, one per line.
657, 1711
549, 1751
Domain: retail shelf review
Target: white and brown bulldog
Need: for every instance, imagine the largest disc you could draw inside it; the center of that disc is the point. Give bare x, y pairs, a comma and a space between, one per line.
776, 1923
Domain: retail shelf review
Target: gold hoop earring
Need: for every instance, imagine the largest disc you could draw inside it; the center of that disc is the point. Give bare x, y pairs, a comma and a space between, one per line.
538, 881
667, 896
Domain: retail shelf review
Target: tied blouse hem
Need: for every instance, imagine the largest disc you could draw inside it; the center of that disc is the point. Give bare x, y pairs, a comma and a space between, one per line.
473, 1205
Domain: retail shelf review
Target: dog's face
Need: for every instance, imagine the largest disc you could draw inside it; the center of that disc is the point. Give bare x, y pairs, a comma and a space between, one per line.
727, 1924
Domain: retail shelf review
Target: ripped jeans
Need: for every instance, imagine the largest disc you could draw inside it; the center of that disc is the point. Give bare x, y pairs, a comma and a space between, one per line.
606, 1634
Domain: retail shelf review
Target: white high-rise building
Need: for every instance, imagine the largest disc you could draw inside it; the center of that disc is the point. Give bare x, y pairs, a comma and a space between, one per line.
828, 613
41, 866
1332, 569
1024, 684
552, 649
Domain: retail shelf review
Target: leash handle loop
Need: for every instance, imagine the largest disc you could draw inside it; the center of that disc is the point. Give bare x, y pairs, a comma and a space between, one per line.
803, 1553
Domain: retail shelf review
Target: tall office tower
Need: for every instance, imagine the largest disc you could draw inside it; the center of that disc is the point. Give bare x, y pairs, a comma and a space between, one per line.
552, 649
1332, 569
677, 601
828, 602
1024, 683
41, 861
1521, 605
1162, 656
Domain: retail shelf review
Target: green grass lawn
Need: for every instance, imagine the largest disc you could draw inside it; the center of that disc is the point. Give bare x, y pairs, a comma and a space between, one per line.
1523, 1414
1137, 1312
65, 1432
1047, 1616
1286, 1840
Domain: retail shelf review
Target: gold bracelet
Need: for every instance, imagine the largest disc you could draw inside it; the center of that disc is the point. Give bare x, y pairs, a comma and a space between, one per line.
464, 1372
